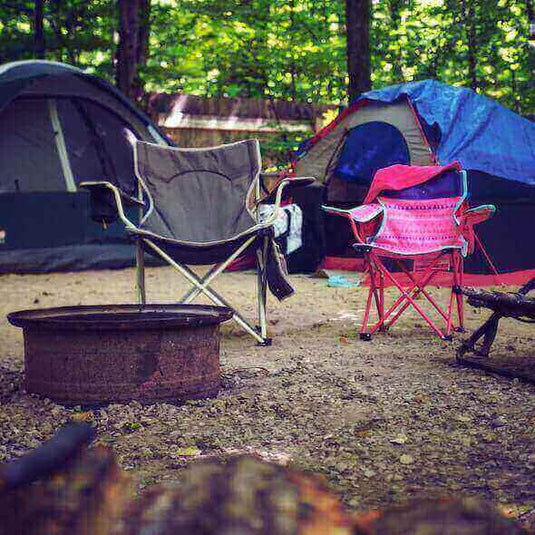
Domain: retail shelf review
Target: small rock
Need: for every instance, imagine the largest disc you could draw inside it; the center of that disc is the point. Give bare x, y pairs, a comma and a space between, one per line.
369, 473
400, 439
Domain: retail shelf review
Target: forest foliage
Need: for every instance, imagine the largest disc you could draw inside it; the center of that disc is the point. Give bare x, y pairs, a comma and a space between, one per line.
288, 49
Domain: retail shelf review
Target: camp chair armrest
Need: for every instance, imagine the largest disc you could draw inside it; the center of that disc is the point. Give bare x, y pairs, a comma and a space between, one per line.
275, 197
331, 210
355, 217
360, 214
118, 195
128, 199
283, 185
478, 214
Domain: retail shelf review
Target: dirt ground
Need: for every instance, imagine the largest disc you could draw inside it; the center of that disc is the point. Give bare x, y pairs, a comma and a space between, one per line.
382, 421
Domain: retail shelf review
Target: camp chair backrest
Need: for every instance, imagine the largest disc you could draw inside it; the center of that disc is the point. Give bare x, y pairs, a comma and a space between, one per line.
422, 219
199, 195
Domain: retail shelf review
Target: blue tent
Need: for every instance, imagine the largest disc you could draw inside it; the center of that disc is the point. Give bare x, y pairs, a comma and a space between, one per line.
427, 123
471, 128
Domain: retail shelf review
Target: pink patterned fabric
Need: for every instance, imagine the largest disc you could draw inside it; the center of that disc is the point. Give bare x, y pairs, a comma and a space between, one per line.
418, 227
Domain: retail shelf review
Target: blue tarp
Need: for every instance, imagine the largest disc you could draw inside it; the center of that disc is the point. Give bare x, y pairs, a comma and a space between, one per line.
478, 132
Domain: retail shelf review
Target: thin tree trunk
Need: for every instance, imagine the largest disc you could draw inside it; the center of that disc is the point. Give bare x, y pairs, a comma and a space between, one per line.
395, 17
293, 66
358, 46
132, 51
38, 30
529, 10
531, 50
514, 91
470, 23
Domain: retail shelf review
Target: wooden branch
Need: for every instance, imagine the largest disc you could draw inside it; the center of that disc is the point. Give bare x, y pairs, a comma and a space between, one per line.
506, 304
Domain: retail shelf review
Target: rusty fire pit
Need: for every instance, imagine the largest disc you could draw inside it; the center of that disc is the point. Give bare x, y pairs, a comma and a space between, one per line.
93, 355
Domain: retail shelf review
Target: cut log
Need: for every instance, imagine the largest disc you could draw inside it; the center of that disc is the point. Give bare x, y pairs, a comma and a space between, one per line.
513, 305
241, 496
438, 517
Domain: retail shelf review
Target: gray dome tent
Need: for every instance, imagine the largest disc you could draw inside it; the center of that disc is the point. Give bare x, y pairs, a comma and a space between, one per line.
58, 127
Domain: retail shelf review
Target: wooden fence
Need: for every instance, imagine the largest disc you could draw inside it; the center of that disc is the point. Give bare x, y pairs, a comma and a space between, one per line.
193, 121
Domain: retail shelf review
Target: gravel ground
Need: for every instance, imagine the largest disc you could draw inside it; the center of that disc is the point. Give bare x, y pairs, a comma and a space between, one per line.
383, 421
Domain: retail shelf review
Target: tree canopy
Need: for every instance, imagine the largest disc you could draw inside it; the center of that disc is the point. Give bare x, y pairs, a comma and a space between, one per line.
288, 49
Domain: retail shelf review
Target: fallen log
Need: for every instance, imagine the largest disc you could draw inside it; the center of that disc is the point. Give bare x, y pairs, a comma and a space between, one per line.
513, 305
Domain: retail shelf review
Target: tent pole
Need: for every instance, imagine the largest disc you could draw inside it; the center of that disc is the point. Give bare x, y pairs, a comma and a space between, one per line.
61, 146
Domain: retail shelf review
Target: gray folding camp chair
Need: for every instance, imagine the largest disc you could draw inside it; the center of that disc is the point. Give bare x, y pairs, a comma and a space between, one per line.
201, 207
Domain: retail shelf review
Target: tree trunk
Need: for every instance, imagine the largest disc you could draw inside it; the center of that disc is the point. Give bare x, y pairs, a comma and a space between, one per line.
395, 16
470, 24
38, 31
132, 51
529, 10
358, 46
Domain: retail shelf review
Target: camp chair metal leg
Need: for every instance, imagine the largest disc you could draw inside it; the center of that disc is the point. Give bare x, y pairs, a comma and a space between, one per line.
211, 294
364, 334
382, 299
140, 274
409, 298
419, 287
194, 291
384, 316
376, 295
261, 255
453, 297
414, 291
213, 273
449, 322
458, 281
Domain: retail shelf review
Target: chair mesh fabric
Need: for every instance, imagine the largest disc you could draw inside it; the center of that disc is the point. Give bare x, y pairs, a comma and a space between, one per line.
418, 227
200, 195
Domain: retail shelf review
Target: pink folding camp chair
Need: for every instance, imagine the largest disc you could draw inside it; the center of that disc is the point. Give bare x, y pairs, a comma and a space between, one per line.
415, 224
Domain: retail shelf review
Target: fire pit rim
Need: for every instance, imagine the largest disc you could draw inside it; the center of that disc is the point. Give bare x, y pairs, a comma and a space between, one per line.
121, 316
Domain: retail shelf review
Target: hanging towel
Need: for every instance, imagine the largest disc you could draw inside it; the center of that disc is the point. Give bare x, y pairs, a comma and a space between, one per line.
289, 225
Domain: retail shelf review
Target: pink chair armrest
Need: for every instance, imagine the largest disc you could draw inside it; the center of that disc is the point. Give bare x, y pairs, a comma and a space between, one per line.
366, 212
478, 214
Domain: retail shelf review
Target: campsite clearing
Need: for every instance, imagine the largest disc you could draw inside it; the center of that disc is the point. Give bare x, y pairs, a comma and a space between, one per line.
382, 420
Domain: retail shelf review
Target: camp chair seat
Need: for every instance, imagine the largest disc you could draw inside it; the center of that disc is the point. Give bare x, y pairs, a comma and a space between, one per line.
202, 207
409, 235
200, 254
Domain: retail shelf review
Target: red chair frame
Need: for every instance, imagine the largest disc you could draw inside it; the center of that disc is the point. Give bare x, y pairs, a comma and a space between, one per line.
425, 268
